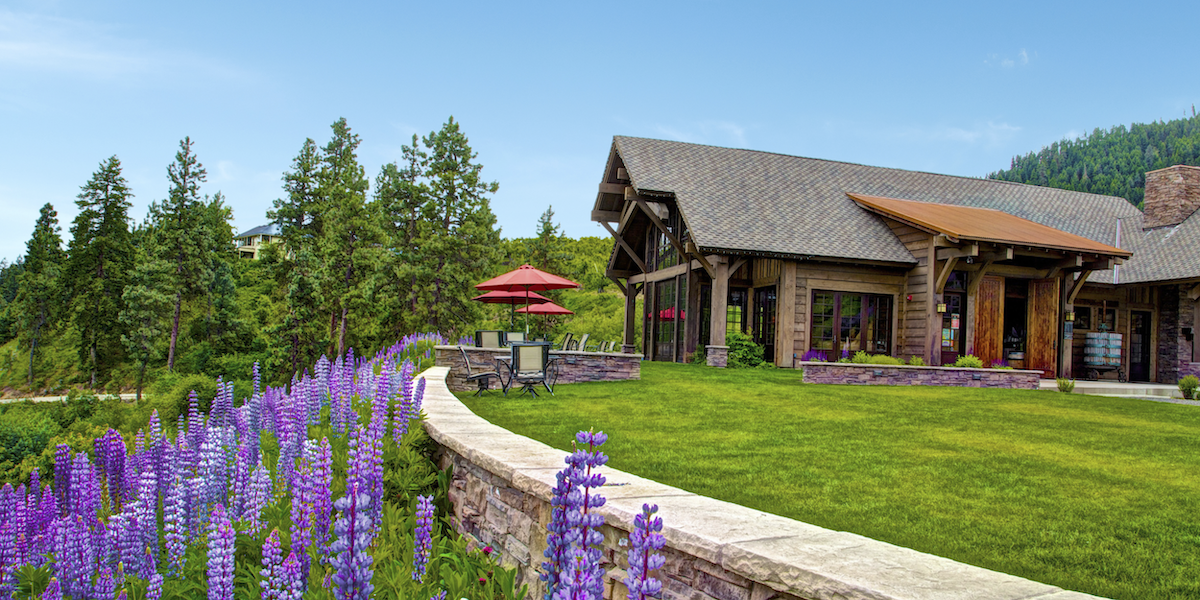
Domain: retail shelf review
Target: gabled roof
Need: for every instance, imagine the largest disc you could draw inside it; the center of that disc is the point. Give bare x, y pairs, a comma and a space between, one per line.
268, 229
752, 201
970, 223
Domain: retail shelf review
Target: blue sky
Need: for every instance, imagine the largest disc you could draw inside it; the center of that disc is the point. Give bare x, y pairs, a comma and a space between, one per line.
540, 89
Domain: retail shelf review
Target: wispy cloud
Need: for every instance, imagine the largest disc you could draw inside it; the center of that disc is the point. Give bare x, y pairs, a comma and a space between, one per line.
1004, 61
725, 133
48, 44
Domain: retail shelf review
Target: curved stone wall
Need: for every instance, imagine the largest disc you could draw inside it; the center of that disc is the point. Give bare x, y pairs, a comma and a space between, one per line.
715, 550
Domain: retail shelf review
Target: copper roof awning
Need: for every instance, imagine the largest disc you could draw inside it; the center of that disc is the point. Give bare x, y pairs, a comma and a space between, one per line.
968, 223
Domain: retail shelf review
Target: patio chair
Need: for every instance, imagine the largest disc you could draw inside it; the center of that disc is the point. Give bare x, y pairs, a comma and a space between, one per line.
581, 345
486, 338
566, 342
481, 376
514, 336
530, 366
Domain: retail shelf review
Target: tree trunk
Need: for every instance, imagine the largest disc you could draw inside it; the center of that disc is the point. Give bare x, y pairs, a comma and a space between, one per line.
332, 330
141, 378
32, 346
92, 360
174, 331
342, 331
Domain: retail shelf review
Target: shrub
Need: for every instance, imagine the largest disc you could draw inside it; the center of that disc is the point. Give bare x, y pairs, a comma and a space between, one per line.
969, 361
883, 359
916, 361
1065, 386
24, 432
743, 352
1188, 386
815, 356
700, 356
861, 358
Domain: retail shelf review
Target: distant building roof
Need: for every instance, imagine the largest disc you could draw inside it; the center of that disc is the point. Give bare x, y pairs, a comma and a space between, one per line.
268, 229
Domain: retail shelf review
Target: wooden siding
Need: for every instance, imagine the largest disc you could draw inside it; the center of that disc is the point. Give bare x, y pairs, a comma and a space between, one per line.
765, 271
989, 320
912, 327
841, 278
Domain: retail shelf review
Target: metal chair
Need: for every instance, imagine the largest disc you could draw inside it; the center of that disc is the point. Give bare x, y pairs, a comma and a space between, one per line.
487, 338
514, 336
530, 366
581, 345
483, 378
566, 342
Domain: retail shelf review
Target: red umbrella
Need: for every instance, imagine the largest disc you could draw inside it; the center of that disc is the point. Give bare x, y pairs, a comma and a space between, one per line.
548, 308
526, 279
512, 298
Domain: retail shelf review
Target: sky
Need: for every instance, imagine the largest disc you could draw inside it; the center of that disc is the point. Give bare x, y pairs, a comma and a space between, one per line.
540, 89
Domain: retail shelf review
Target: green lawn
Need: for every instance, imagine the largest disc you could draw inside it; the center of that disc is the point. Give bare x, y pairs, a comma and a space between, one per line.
1094, 494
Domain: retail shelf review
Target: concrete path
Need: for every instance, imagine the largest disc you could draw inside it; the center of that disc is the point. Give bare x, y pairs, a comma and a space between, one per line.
125, 397
1159, 392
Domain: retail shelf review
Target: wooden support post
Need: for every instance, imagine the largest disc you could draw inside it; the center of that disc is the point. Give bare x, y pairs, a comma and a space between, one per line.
943, 274
1077, 286
620, 285
785, 317
720, 303
625, 245
1194, 293
631, 313
691, 315
933, 323
1066, 330
695, 252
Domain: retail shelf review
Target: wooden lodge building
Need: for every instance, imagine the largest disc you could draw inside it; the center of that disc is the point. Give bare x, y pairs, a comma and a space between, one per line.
816, 255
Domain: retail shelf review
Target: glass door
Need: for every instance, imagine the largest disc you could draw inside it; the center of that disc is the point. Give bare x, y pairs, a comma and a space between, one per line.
1139, 345
953, 322
764, 321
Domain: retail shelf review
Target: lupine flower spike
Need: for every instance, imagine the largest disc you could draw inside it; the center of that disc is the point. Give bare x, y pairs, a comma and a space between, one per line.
644, 540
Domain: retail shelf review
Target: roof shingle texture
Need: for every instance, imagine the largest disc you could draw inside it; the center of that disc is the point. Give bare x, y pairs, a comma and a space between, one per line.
756, 201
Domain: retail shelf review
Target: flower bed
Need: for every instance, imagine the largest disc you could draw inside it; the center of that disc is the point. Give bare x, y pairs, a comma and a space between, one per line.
869, 374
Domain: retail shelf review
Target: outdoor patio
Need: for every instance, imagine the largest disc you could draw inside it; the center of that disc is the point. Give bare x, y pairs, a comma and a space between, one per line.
573, 366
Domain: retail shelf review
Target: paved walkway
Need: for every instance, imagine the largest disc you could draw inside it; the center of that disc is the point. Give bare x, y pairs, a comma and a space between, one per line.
125, 397
1159, 392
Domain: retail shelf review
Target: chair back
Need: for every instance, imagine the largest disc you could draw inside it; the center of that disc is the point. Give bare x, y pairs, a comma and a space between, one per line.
515, 336
582, 347
529, 359
566, 342
605, 346
485, 338
466, 361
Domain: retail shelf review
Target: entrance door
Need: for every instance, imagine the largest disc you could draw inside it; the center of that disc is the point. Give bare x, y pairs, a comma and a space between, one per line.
1041, 351
953, 325
764, 321
989, 319
1139, 345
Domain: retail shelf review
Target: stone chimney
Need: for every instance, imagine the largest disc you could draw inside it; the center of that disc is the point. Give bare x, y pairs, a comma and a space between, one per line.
1172, 195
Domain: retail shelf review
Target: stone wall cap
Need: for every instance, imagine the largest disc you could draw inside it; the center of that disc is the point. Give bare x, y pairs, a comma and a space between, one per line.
553, 352
931, 367
716, 346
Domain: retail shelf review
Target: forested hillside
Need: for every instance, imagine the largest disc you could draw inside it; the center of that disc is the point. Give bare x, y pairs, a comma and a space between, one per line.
120, 304
1112, 161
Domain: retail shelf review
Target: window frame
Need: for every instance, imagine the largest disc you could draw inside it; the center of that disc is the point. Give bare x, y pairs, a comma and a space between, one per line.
866, 302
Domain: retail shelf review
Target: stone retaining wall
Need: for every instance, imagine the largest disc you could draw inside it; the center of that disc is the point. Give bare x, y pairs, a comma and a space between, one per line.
860, 374
573, 367
715, 550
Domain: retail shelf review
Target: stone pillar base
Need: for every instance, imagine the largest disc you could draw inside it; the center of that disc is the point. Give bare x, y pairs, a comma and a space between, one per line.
628, 349
717, 356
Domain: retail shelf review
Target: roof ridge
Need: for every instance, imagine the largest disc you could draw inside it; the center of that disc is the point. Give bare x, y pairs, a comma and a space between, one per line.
854, 164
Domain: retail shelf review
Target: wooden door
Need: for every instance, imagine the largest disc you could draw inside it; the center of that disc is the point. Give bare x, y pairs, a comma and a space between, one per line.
953, 326
1041, 350
989, 319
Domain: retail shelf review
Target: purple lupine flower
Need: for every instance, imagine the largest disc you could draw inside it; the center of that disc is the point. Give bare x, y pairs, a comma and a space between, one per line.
574, 571
129, 542
302, 517
259, 497
241, 481
257, 378
85, 493
53, 590
146, 511
272, 563
404, 410
349, 558
105, 586
644, 540
440, 595
322, 492
220, 556
123, 595
62, 477
8, 563
175, 524
424, 537
418, 397
154, 590
292, 583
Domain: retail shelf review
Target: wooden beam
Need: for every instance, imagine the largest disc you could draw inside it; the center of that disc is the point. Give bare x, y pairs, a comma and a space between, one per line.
613, 188
1100, 265
1194, 293
737, 264
944, 274
973, 286
1070, 263
963, 252
997, 256
625, 245
941, 241
1038, 253
610, 216
695, 252
619, 284
662, 227
622, 174
1078, 285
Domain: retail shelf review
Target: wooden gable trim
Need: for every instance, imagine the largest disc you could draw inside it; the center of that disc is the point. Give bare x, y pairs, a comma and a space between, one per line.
625, 245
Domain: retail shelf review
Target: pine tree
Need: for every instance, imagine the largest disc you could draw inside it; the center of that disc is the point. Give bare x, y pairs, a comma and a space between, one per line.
548, 251
458, 238
39, 300
147, 302
298, 334
401, 197
183, 236
299, 213
101, 260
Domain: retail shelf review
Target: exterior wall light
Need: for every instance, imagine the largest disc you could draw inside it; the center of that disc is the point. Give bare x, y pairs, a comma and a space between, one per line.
941, 307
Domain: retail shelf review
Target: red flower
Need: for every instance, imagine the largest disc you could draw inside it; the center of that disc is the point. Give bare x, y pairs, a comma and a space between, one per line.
488, 549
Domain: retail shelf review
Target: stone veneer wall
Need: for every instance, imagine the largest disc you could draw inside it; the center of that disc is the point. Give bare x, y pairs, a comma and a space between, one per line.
573, 367
1173, 351
715, 550
716, 356
860, 374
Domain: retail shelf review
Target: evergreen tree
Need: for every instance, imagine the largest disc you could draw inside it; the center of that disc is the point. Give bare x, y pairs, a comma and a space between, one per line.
183, 235
351, 237
39, 299
147, 302
299, 213
298, 334
549, 250
401, 197
458, 237
101, 260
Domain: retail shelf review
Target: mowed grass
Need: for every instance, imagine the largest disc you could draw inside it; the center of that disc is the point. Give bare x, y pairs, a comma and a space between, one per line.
1100, 495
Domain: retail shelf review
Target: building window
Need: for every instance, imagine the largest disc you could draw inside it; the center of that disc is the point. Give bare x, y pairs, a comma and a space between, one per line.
849, 322
735, 312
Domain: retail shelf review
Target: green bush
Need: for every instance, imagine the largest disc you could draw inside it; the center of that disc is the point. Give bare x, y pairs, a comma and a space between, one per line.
883, 359
1065, 386
969, 361
700, 356
170, 394
861, 358
1188, 385
743, 352
25, 431
916, 361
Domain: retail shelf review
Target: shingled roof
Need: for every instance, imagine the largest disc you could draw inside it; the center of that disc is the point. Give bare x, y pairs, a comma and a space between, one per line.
752, 201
